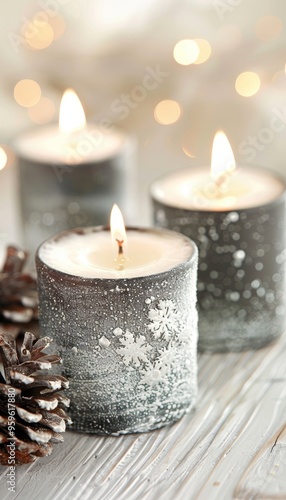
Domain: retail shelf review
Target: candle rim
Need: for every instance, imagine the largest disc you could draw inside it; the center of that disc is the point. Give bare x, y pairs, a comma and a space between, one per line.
129, 143
187, 263
276, 175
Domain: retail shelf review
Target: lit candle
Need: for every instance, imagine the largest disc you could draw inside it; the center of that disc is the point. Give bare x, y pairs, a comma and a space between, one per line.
237, 218
72, 172
125, 324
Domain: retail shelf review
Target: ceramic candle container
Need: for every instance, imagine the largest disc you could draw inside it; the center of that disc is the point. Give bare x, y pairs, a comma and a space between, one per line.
69, 176
128, 337
240, 233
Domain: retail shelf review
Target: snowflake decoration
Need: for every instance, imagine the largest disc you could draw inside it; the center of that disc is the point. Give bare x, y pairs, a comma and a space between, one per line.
157, 372
167, 356
135, 350
153, 374
164, 319
188, 333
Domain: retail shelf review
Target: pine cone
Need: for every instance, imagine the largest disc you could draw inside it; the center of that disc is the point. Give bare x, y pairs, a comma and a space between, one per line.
31, 408
18, 293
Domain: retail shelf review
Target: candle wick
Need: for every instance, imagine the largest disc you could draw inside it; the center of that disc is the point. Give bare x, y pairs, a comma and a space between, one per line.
120, 258
72, 139
120, 246
221, 181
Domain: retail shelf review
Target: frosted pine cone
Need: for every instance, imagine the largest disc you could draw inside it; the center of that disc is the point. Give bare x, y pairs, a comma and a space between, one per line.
31, 408
18, 292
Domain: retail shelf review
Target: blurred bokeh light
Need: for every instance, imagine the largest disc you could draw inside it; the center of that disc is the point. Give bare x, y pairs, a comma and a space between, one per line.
167, 112
27, 93
186, 52
247, 84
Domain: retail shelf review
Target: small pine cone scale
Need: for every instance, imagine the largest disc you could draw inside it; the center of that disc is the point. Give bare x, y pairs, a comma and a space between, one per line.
18, 292
32, 411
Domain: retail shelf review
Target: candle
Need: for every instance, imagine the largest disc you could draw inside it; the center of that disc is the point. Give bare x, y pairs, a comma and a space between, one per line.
71, 173
237, 218
125, 324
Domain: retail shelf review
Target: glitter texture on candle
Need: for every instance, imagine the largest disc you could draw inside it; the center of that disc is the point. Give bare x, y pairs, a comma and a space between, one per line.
128, 343
241, 275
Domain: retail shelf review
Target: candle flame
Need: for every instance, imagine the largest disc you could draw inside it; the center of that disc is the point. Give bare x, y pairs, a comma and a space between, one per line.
118, 236
72, 117
3, 158
223, 162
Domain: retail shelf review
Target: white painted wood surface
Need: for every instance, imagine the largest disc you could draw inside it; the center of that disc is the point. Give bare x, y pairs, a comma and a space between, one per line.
233, 446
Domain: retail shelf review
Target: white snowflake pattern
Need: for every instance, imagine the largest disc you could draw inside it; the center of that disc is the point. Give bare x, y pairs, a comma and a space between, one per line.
152, 374
164, 319
157, 372
188, 332
135, 350
167, 356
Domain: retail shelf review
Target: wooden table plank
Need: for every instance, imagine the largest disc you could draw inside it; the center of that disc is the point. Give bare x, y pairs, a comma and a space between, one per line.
232, 446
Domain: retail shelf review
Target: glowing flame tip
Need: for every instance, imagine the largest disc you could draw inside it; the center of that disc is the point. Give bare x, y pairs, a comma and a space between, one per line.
117, 227
223, 161
3, 158
72, 117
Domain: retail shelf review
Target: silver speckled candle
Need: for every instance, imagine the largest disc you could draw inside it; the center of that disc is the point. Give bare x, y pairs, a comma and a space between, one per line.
128, 338
241, 277
71, 181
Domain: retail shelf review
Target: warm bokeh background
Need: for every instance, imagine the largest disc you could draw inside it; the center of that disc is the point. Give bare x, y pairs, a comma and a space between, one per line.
229, 74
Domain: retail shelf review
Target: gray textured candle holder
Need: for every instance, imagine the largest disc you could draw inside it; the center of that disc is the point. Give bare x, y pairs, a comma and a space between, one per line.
129, 346
241, 276
60, 196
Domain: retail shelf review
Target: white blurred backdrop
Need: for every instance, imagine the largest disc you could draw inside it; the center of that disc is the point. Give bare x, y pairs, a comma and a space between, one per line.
171, 72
